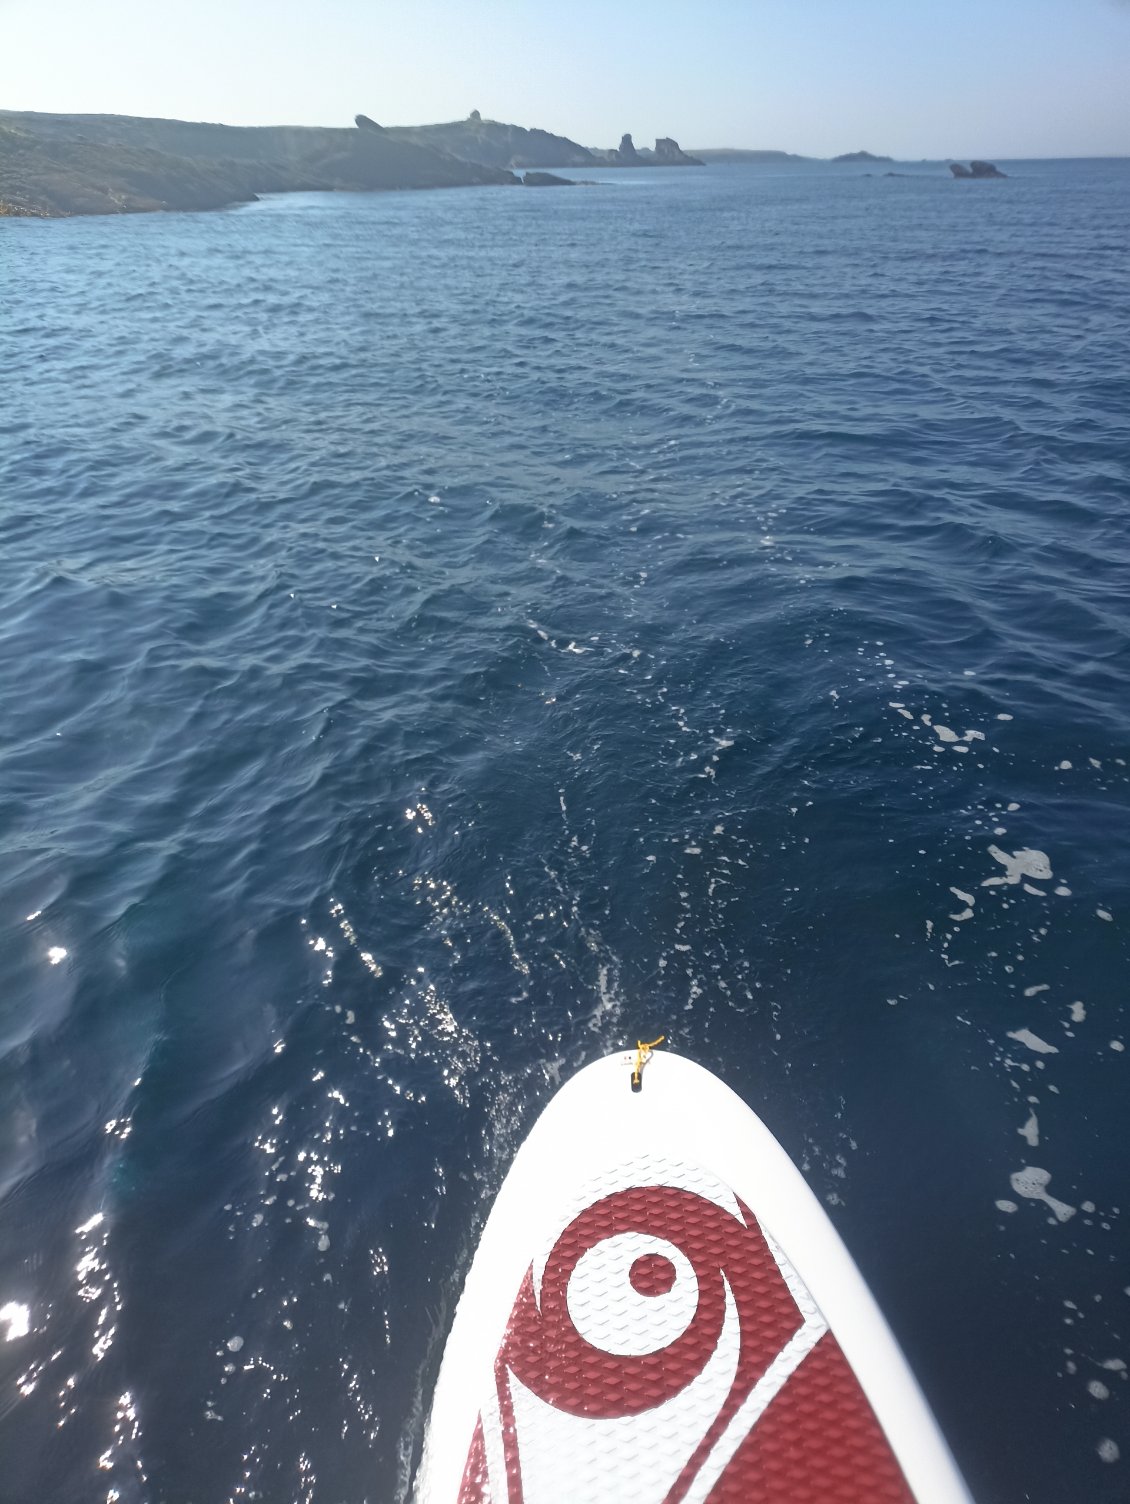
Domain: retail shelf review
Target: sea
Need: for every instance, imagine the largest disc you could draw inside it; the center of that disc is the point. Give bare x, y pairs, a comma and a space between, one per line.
447, 636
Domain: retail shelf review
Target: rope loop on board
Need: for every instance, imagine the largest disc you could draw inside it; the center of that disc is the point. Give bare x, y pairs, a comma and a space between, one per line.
643, 1055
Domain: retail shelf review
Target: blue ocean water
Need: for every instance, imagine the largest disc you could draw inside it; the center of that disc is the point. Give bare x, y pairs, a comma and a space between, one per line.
448, 635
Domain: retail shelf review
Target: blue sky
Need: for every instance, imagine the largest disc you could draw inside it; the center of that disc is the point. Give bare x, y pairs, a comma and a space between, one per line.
907, 77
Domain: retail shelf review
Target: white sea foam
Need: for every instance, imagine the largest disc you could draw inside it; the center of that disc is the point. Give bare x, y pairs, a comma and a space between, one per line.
1033, 1042
1032, 1183
1020, 864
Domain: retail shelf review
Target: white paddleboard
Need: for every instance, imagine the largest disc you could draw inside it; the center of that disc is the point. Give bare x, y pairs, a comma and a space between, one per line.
660, 1312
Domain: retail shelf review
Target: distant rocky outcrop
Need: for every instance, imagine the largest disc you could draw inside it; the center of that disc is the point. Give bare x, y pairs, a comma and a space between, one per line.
976, 170
861, 156
495, 144
54, 165
547, 180
740, 154
667, 153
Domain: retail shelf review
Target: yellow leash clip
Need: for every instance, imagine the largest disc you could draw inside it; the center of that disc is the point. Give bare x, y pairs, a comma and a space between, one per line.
643, 1055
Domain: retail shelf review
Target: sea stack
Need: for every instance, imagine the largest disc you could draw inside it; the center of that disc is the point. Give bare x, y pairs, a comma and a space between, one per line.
668, 153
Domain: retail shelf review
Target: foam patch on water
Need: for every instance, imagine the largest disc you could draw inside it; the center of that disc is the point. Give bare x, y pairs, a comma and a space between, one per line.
1018, 865
1033, 1042
1032, 1183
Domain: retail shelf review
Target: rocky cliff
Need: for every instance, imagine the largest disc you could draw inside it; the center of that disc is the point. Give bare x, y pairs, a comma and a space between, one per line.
112, 164
669, 154
496, 144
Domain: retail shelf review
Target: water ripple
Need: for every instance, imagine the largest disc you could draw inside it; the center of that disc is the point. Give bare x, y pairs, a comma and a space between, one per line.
446, 635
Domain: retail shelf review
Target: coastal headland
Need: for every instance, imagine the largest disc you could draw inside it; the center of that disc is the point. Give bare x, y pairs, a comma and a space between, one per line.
57, 165
54, 166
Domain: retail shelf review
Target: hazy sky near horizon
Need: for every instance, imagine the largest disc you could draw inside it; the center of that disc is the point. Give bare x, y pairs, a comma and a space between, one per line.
971, 78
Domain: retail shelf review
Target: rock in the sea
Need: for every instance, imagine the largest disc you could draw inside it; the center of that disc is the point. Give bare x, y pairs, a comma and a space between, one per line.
861, 156
976, 170
668, 153
547, 180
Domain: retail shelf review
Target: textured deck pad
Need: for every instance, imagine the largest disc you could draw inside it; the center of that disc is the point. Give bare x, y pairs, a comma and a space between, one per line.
661, 1312
662, 1349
